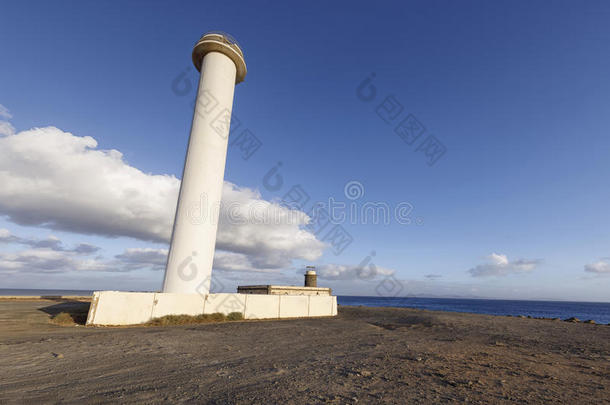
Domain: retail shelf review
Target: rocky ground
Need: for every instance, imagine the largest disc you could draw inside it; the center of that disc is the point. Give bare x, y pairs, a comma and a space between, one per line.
365, 355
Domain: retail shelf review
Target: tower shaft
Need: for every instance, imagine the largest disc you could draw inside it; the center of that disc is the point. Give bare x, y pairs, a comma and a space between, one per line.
191, 253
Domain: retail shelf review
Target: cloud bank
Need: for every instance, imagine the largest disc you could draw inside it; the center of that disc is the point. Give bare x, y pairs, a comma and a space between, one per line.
345, 272
54, 179
51, 255
51, 242
600, 267
499, 265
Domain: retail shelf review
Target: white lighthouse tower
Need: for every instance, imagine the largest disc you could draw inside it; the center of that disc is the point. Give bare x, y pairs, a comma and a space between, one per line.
189, 265
186, 288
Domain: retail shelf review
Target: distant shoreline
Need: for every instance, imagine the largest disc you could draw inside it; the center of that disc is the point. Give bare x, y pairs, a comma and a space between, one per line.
72, 292
598, 312
570, 317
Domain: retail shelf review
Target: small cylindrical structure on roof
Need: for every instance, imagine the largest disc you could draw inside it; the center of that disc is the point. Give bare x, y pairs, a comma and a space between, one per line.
311, 279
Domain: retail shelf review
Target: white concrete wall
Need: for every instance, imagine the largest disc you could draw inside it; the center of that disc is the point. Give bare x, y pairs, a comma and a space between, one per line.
321, 306
120, 308
168, 304
129, 308
260, 306
224, 303
294, 306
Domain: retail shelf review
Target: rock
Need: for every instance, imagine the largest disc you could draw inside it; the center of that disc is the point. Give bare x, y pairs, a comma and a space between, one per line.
572, 319
58, 355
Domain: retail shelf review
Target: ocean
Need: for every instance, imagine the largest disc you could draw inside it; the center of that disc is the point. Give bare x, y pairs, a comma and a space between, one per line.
597, 311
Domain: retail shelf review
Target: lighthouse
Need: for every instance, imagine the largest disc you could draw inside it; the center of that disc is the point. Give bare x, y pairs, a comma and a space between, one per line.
188, 274
221, 64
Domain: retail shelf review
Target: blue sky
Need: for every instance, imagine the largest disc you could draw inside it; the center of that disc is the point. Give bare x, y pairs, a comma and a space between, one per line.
518, 94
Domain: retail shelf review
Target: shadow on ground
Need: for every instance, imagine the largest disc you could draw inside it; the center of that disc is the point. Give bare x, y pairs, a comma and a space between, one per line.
76, 310
405, 322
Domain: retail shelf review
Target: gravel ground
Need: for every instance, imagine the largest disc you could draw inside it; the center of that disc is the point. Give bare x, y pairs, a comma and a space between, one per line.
365, 355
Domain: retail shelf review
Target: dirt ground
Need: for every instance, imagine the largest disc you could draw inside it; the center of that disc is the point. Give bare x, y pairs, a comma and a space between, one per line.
365, 355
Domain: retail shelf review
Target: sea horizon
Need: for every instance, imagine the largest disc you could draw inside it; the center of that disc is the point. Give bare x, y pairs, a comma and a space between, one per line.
63, 290
599, 312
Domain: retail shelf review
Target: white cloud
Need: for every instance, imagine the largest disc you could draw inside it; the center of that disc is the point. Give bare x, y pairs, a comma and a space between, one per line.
231, 261
346, 272
5, 113
138, 258
7, 237
35, 260
57, 180
6, 128
50, 242
51, 256
155, 259
237, 262
499, 265
600, 267
269, 234
46, 260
